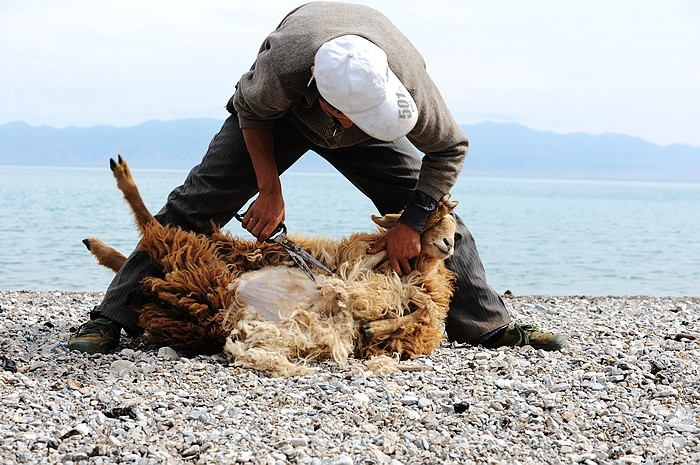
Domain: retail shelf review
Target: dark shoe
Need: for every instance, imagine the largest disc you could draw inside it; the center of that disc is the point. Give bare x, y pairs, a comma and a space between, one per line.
521, 335
97, 336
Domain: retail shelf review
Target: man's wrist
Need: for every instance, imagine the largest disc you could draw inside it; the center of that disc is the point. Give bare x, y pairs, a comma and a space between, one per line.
419, 208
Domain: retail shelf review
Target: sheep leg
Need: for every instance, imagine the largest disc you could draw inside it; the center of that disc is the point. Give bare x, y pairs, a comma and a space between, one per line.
106, 255
126, 184
372, 261
382, 329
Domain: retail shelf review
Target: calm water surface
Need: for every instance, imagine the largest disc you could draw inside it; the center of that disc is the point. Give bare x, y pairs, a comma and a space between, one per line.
558, 237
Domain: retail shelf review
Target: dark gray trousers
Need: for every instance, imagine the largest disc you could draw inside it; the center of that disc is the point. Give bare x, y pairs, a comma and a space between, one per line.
386, 172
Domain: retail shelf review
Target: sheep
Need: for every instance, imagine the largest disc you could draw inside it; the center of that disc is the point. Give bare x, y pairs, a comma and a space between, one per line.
218, 292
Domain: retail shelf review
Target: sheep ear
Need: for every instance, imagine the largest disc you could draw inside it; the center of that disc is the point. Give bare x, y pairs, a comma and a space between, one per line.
444, 208
447, 204
386, 221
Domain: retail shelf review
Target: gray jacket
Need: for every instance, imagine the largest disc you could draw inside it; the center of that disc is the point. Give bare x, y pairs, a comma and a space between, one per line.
277, 87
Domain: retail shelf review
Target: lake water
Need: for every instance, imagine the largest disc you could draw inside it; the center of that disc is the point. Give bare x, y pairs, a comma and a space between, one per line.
535, 236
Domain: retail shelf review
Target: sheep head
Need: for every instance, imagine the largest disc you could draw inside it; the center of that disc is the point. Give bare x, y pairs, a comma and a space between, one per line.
437, 237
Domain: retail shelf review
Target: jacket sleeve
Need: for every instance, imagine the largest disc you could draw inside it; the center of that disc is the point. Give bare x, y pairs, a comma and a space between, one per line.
439, 137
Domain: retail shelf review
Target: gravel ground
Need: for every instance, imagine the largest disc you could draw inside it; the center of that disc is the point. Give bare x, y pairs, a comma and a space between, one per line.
624, 391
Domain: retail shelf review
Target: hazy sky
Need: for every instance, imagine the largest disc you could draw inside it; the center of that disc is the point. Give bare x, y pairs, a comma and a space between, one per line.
623, 66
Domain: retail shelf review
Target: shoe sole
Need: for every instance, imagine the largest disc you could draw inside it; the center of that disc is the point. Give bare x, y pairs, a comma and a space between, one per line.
88, 348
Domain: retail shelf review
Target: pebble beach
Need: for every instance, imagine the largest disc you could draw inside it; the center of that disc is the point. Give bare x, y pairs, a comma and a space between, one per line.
625, 390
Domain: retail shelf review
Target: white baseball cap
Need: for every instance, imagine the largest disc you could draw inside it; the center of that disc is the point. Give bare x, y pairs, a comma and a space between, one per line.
353, 75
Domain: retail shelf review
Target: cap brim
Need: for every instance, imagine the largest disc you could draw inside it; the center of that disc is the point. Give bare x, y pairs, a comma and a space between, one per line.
393, 118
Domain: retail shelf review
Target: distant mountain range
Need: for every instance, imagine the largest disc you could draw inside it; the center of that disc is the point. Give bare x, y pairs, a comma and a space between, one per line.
496, 149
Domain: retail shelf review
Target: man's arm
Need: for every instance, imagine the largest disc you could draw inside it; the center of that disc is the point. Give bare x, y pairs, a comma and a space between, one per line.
267, 211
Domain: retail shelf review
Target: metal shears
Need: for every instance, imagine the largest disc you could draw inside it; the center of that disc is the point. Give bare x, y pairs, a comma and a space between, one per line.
299, 255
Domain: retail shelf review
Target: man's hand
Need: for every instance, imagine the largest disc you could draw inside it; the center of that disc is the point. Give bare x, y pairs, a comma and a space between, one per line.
402, 243
263, 216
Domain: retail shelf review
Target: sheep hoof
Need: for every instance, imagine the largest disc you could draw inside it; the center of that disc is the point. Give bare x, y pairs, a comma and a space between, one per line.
367, 332
113, 165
